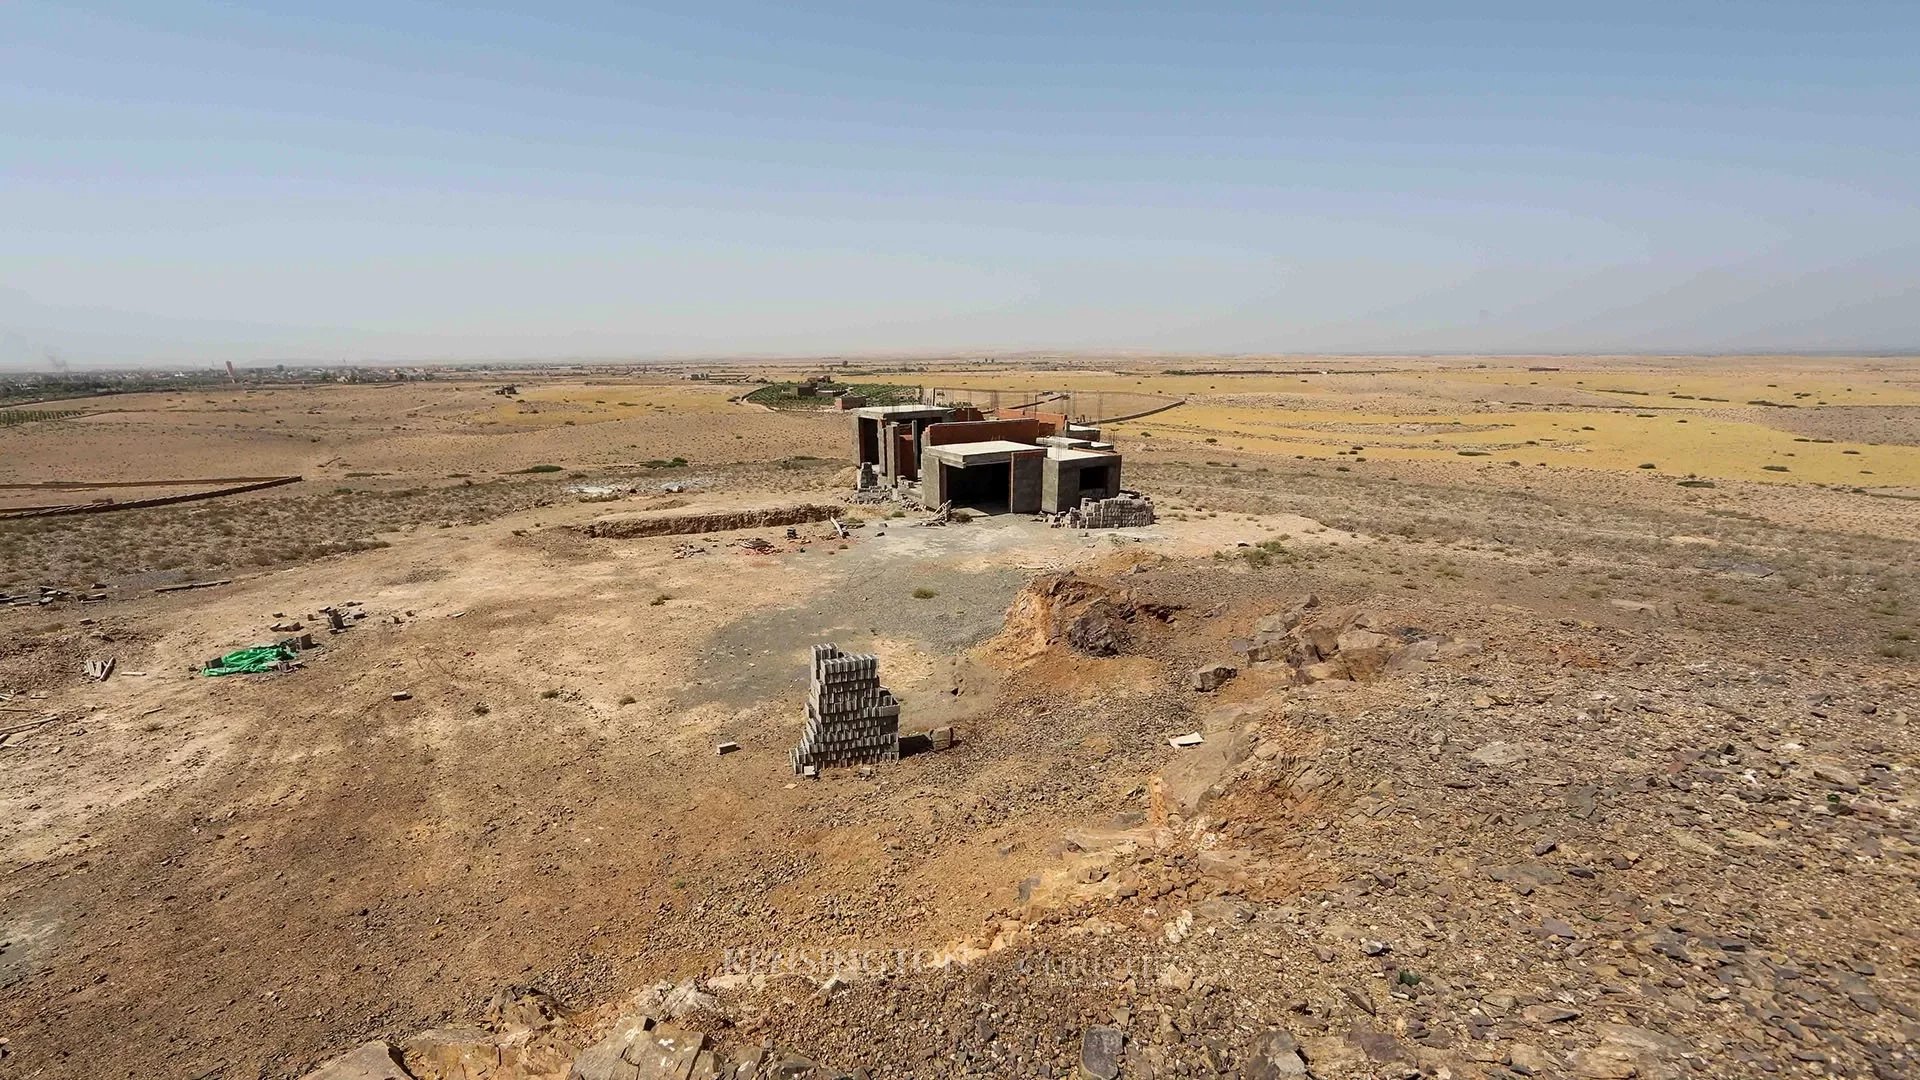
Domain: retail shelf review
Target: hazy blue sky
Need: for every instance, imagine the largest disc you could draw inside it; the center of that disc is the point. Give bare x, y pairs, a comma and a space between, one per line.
190, 181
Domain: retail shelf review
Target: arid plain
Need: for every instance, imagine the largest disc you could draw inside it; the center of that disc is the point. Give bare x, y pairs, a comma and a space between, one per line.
1630, 791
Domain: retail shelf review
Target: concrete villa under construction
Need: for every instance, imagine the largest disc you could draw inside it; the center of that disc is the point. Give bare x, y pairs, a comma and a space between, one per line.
1017, 461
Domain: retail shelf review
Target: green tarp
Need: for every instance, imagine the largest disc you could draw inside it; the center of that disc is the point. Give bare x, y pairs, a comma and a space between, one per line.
250, 661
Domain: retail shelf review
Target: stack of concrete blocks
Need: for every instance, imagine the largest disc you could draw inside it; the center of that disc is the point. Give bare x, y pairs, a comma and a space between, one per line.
1117, 513
851, 718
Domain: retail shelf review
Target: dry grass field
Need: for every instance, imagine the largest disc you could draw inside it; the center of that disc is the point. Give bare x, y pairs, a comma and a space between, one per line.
1628, 792
1855, 423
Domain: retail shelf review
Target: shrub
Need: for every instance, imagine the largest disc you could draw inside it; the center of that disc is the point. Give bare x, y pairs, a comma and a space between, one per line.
924, 593
541, 469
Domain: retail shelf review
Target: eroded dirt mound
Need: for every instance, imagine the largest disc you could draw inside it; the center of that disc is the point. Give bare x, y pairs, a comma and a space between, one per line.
1091, 616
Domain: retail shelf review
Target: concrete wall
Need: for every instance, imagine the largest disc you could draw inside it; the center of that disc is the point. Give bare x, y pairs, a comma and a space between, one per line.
1060, 482
1028, 469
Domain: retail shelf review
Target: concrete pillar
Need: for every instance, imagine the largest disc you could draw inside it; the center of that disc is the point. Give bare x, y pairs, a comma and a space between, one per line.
933, 484
1053, 476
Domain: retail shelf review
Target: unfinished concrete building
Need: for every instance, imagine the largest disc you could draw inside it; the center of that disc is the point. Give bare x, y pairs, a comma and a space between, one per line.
851, 718
887, 437
1021, 461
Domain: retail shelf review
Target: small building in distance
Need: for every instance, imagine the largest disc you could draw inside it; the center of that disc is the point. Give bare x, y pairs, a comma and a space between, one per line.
1016, 461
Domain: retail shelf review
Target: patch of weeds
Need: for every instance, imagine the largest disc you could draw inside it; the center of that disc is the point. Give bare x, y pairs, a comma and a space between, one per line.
542, 469
924, 593
549, 695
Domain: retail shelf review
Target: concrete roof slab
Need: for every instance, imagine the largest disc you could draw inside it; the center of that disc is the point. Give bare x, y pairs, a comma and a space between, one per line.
990, 452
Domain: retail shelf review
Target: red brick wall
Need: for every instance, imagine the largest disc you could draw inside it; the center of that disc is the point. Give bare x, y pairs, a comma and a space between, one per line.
1051, 423
1024, 430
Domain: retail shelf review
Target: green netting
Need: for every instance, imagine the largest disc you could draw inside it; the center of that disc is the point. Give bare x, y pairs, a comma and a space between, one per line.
250, 661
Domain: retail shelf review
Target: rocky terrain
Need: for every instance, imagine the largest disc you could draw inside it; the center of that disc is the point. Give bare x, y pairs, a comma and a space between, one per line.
1581, 850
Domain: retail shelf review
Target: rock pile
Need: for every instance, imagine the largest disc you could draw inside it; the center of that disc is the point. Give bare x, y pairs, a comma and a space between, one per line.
1321, 645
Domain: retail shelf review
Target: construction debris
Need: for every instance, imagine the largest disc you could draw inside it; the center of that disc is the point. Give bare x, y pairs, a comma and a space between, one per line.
726, 748
100, 670
1123, 511
43, 595
28, 726
254, 661
194, 585
851, 718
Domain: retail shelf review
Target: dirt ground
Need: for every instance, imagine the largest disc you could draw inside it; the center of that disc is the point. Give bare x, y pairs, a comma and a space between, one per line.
503, 773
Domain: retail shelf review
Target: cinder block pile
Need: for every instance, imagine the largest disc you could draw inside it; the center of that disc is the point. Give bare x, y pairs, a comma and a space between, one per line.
851, 718
1121, 512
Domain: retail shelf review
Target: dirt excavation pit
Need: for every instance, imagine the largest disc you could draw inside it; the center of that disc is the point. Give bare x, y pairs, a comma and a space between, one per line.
667, 523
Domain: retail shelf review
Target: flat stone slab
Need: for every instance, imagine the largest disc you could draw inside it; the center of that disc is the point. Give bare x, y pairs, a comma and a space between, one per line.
373, 1061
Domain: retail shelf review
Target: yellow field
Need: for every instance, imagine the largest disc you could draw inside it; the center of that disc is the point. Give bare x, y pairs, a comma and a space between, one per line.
1666, 389
1713, 419
1673, 444
567, 403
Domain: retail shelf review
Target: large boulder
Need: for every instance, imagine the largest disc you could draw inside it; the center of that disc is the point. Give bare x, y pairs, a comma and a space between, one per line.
1211, 677
1283, 622
371, 1061
640, 1049
455, 1053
